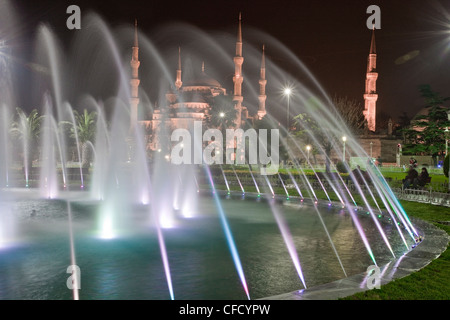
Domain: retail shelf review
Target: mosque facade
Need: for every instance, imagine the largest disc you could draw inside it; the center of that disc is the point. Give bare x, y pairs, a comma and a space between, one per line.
190, 99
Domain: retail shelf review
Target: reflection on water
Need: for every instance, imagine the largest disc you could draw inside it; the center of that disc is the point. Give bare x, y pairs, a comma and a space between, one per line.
201, 265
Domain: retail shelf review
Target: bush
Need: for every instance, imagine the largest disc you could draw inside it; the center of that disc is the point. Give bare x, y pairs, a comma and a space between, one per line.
341, 167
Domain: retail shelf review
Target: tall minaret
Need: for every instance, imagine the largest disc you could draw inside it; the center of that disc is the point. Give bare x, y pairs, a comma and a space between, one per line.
238, 79
134, 82
178, 82
262, 88
371, 96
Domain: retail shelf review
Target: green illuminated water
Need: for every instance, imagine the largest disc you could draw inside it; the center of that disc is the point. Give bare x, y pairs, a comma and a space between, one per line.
130, 267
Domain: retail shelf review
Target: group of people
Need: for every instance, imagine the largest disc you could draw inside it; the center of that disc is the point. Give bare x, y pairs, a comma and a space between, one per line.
414, 179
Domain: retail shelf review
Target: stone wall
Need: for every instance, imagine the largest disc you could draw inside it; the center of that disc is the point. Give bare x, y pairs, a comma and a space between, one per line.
383, 146
421, 160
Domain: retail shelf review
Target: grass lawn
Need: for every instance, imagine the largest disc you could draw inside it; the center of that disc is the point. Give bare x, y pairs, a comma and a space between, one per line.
437, 178
431, 282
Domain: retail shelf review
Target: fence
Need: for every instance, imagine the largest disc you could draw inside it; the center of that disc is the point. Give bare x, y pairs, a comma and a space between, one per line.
424, 196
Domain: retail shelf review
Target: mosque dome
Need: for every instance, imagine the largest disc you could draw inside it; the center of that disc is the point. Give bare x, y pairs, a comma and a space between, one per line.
422, 112
202, 80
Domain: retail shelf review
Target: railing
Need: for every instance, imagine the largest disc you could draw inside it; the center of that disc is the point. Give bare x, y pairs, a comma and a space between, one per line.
424, 196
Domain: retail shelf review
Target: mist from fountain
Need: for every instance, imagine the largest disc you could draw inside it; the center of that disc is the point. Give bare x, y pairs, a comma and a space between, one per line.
51, 148
4, 145
123, 183
77, 142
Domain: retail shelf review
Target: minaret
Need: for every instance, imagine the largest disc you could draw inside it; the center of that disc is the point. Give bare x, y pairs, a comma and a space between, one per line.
238, 79
262, 88
178, 82
134, 82
371, 96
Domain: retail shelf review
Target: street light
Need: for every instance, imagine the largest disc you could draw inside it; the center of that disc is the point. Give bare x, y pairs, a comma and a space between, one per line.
344, 138
371, 144
446, 140
446, 147
308, 148
287, 92
221, 114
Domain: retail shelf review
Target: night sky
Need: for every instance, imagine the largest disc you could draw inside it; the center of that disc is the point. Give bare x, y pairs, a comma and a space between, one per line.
329, 36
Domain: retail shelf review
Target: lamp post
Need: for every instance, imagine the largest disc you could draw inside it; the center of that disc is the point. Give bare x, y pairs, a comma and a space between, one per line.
344, 138
371, 144
287, 92
446, 149
446, 140
308, 148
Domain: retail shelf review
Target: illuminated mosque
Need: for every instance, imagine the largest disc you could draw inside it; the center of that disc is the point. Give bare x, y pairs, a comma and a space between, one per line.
188, 100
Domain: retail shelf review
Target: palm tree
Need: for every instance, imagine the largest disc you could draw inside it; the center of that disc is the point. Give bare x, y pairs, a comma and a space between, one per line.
84, 131
312, 133
28, 128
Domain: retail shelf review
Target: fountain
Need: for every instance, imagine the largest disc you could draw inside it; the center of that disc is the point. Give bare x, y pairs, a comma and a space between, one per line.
141, 229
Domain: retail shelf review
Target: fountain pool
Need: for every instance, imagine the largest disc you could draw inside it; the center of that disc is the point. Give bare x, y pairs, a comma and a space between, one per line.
130, 266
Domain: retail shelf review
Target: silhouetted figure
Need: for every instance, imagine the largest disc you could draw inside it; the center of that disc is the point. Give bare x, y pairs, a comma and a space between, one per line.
359, 174
409, 180
421, 180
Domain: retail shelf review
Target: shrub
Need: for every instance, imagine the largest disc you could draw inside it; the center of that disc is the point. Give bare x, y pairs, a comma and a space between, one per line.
341, 167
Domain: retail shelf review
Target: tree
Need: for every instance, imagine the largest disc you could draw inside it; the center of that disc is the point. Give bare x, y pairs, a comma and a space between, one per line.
314, 134
268, 123
403, 124
383, 119
425, 134
351, 112
84, 130
28, 128
403, 120
221, 116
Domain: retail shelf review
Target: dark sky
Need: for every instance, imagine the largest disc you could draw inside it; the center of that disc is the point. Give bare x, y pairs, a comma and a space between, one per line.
330, 37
